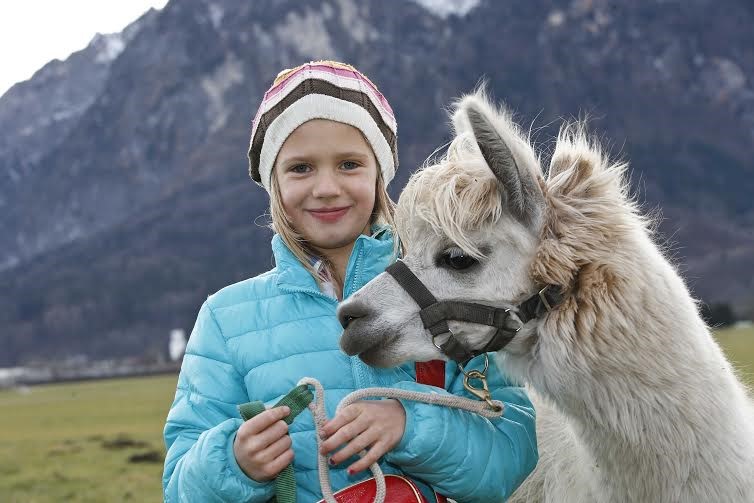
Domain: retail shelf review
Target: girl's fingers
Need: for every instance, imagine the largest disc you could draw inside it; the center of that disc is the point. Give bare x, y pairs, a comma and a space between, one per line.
274, 450
343, 435
372, 456
264, 420
343, 417
263, 439
355, 446
271, 470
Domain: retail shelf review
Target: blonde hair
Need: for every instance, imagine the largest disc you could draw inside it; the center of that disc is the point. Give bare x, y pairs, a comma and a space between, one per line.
382, 214
456, 196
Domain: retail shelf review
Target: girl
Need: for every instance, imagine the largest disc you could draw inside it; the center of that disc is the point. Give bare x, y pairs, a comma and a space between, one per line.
323, 145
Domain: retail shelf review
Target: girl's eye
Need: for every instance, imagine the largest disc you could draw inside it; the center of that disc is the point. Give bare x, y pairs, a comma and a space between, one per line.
455, 258
299, 168
350, 165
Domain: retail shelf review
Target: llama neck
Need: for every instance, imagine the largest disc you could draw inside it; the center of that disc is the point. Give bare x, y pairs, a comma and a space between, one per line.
645, 385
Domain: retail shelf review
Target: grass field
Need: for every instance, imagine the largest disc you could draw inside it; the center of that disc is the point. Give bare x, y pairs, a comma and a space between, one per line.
72, 442
739, 348
82, 441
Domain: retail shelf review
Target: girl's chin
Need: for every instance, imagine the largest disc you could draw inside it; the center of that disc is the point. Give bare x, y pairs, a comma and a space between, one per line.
337, 238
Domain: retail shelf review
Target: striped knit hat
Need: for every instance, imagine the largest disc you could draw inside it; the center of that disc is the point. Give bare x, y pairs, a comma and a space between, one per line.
321, 90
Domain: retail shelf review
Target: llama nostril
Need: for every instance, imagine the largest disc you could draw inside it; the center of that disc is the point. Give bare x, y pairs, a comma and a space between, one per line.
346, 319
348, 312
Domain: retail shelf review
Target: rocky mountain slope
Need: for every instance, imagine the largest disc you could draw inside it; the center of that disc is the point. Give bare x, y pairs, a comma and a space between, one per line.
123, 187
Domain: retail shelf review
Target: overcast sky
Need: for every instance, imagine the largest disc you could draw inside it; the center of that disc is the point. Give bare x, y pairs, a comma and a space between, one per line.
33, 32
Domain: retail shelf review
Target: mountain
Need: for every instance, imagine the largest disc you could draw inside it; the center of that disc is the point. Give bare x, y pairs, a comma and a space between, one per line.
123, 183
36, 116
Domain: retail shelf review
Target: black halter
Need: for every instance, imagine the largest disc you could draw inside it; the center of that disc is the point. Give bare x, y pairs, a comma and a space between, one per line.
435, 315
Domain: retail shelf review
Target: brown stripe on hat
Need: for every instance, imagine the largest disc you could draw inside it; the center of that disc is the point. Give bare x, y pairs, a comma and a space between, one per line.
316, 86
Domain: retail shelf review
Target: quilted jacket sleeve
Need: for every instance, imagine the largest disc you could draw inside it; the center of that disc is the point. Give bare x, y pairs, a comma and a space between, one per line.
202, 424
463, 455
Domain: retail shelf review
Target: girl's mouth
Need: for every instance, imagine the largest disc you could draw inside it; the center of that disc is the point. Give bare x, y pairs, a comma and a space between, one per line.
329, 215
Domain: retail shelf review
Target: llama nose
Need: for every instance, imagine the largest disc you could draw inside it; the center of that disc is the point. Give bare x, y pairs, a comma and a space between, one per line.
349, 311
346, 319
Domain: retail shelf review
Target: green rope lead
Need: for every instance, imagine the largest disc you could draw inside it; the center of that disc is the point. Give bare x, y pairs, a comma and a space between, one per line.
296, 400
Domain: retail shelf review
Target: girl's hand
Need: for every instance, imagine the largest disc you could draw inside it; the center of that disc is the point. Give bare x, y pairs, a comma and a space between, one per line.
376, 425
262, 446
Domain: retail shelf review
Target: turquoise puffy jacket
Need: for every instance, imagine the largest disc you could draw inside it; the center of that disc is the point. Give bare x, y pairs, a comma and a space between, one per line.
255, 339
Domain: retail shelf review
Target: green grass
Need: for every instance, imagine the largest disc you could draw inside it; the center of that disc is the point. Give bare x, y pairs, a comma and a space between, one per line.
54, 438
738, 345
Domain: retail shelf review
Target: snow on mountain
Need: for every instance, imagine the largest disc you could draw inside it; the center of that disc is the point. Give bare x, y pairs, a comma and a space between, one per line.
445, 8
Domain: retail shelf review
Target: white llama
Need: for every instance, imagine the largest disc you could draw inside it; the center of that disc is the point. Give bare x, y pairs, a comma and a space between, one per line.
635, 400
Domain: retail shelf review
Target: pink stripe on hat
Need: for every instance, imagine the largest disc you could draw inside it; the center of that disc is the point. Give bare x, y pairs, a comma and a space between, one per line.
341, 77
325, 90
340, 72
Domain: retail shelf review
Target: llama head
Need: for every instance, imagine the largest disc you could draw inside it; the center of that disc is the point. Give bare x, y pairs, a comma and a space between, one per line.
484, 226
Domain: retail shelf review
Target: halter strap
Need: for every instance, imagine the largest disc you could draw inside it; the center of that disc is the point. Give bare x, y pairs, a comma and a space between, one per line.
424, 298
435, 314
413, 285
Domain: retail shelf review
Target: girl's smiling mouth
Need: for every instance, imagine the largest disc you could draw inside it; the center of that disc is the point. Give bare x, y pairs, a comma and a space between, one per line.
329, 214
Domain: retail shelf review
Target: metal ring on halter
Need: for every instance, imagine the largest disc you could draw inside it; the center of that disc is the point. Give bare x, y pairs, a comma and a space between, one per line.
483, 371
438, 335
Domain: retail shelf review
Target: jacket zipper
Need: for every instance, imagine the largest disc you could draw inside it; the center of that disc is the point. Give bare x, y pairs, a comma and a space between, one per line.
356, 271
359, 374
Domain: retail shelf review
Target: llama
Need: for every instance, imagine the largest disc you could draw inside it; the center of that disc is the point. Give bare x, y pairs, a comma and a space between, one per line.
635, 400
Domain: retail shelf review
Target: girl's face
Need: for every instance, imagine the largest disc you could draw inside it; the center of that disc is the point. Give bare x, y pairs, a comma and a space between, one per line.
327, 175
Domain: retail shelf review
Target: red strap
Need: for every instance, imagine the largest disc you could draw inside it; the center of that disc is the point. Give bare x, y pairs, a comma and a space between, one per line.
432, 373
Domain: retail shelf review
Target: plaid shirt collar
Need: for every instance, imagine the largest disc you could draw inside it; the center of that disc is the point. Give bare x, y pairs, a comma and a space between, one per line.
325, 280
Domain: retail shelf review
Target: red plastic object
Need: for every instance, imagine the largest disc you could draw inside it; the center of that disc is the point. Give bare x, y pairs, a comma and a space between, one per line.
398, 490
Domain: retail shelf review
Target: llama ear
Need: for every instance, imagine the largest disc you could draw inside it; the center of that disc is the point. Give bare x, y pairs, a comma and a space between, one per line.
522, 194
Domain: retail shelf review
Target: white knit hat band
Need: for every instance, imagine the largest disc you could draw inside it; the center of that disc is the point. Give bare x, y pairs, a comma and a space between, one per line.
320, 106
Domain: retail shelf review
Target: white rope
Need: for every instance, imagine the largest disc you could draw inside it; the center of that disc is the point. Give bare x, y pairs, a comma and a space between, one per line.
317, 407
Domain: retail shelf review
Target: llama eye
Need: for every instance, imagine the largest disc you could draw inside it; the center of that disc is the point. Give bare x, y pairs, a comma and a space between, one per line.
455, 258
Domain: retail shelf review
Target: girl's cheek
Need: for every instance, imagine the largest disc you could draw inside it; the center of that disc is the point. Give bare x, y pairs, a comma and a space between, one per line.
292, 194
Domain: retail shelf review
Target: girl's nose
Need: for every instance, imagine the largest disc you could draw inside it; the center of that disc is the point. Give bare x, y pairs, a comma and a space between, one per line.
326, 184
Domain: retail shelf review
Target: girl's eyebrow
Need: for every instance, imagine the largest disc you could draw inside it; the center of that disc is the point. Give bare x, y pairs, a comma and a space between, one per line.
295, 159
349, 154
353, 153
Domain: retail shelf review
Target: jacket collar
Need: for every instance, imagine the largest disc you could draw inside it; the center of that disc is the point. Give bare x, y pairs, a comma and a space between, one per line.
369, 257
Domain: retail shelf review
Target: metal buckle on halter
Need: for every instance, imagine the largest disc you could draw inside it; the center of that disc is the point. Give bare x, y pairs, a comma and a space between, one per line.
482, 393
543, 298
511, 313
